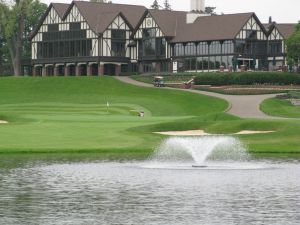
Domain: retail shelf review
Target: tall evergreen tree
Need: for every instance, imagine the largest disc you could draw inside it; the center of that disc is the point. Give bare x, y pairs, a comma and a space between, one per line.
167, 5
155, 5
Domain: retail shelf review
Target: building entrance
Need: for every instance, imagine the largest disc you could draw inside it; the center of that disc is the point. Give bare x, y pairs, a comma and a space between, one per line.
110, 69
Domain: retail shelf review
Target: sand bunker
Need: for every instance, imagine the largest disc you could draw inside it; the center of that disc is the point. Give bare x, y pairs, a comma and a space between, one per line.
3, 122
203, 133
184, 133
254, 132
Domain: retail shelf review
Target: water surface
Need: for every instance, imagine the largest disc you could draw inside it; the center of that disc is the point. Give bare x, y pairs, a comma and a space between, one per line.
97, 192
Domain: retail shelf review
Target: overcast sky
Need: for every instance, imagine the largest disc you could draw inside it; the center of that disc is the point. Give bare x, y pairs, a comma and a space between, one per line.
284, 11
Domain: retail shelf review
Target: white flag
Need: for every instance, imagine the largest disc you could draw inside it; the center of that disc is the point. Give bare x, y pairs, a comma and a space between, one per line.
107, 104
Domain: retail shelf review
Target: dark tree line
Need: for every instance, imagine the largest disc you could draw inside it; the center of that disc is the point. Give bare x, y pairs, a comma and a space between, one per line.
17, 20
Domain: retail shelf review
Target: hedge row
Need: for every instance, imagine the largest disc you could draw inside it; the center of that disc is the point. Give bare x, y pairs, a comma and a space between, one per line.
253, 78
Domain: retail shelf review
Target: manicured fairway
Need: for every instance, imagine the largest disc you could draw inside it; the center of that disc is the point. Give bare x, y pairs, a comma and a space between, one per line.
281, 108
70, 115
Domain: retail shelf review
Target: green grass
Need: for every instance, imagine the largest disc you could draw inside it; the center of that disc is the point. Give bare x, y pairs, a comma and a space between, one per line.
281, 108
68, 115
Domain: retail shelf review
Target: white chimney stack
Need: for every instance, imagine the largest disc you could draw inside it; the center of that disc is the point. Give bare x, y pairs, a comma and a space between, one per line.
198, 5
197, 10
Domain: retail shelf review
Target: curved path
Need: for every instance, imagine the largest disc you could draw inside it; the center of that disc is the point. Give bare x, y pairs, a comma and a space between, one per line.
243, 106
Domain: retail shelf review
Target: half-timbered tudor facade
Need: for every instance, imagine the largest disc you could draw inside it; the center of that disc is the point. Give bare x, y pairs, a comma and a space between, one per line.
223, 42
85, 38
277, 34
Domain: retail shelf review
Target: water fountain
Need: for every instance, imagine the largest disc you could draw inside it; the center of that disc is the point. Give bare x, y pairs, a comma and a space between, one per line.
207, 152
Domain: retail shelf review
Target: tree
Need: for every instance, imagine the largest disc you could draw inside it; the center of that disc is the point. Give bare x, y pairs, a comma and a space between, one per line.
167, 5
16, 22
5, 65
155, 5
293, 46
34, 14
210, 10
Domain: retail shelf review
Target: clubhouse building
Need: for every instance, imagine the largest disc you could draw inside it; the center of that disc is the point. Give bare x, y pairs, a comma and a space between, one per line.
86, 38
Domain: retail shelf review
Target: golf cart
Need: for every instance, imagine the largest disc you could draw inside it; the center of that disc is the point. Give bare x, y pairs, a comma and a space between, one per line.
158, 81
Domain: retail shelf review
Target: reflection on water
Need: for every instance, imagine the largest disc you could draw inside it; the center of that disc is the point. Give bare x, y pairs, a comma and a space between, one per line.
74, 192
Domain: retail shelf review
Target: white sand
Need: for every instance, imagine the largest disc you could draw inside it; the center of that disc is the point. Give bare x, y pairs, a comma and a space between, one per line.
184, 133
254, 132
3, 122
203, 133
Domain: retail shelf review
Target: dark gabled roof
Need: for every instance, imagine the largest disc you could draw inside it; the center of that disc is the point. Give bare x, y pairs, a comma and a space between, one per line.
206, 28
168, 21
268, 26
100, 15
286, 29
60, 8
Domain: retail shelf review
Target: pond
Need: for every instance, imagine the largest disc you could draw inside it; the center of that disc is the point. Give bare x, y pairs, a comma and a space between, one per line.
90, 191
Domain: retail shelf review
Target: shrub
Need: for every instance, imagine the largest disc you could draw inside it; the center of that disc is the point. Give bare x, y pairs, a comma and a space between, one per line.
274, 78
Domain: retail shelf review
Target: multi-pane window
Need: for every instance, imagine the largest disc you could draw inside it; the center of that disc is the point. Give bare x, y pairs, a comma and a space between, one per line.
53, 28
68, 43
240, 46
215, 48
190, 49
202, 48
149, 42
75, 26
227, 47
251, 34
151, 45
178, 49
161, 46
275, 48
118, 43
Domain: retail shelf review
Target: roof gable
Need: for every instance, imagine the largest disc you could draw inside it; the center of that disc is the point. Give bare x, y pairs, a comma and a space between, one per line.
54, 8
148, 22
60, 8
253, 23
100, 15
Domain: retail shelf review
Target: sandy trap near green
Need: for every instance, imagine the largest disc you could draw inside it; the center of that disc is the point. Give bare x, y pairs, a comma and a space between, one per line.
203, 133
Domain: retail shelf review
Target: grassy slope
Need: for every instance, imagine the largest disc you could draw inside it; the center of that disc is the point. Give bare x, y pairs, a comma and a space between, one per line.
69, 115
280, 107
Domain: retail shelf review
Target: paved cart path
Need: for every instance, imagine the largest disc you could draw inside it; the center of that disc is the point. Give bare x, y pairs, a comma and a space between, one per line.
243, 106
